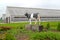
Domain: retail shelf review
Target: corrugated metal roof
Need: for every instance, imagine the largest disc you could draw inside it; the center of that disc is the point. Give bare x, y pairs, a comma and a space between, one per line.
22, 10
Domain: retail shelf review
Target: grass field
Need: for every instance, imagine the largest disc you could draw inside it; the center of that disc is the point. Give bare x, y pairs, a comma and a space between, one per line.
22, 24
18, 29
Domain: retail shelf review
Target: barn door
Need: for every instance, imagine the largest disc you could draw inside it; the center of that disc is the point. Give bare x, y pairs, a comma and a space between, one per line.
7, 19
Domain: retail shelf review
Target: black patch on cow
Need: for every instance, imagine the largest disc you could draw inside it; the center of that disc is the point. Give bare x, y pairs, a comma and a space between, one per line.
35, 15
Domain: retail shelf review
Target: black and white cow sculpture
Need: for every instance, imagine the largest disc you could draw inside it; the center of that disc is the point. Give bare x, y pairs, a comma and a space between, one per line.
33, 16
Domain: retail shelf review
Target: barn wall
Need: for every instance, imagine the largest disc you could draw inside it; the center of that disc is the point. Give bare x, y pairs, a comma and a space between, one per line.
20, 11
42, 19
43, 12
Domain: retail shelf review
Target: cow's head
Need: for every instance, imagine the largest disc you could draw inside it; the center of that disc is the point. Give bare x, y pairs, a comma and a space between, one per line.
26, 14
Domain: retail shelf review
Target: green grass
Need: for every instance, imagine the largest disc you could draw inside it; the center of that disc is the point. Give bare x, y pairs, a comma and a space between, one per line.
53, 25
33, 35
45, 36
23, 23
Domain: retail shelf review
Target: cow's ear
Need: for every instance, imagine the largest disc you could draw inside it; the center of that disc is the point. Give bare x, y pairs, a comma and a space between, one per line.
25, 14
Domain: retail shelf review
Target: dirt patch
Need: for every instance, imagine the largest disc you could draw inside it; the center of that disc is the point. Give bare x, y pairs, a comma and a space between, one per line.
5, 28
22, 37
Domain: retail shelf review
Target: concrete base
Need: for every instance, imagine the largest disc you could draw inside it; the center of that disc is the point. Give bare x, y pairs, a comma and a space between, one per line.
28, 27
34, 27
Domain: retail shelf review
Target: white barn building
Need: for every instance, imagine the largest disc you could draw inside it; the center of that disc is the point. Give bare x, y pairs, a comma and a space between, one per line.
14, 14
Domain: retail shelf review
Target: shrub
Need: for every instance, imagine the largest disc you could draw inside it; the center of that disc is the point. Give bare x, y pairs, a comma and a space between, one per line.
9, 37
45, 36
58, 27
48, 26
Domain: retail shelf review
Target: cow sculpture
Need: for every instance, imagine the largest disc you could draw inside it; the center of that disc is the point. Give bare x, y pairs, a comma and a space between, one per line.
34, 16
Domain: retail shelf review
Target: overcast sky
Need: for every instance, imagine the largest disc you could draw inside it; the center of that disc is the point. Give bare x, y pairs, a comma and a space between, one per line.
50, 4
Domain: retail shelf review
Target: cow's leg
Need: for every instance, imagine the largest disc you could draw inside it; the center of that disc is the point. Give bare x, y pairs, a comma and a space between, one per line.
35, 21
39, 21
30, 20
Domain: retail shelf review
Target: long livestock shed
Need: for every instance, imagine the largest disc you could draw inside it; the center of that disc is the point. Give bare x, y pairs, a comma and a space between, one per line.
16, 14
